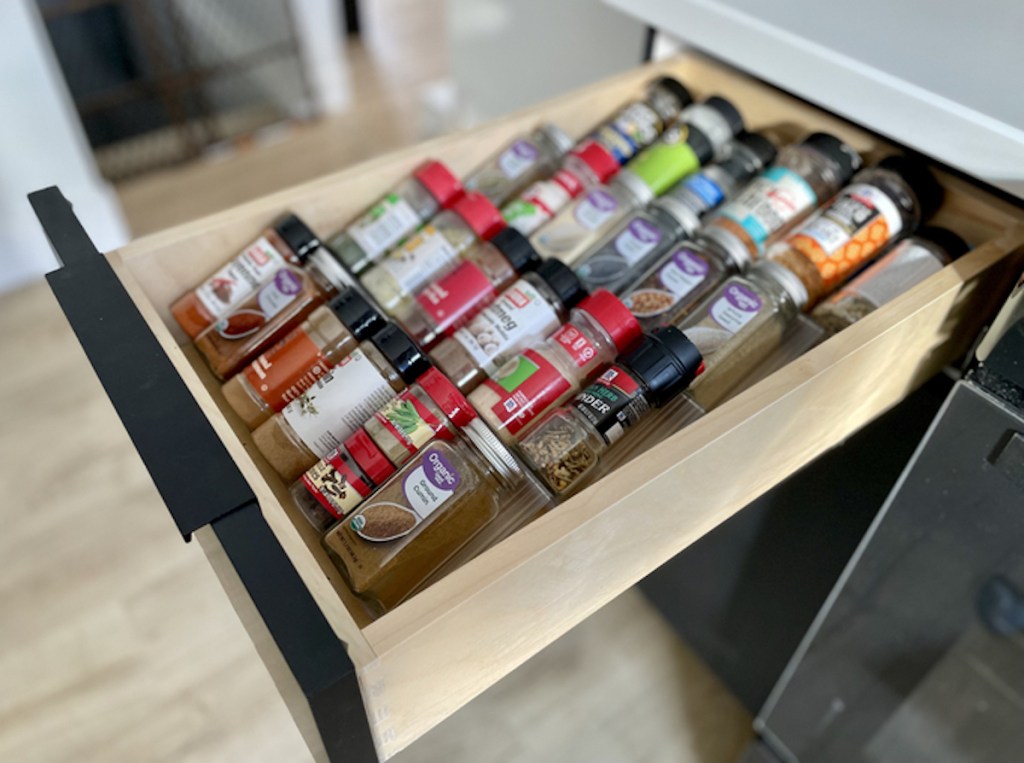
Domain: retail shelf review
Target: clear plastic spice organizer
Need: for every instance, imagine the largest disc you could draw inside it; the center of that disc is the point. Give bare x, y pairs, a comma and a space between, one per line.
489, 611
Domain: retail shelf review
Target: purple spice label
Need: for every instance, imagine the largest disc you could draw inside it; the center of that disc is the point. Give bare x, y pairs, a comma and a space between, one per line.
524, 150
440, 471
735, 308
645, 232
690, 264
602, 201
742, 298
517, 158
287, 282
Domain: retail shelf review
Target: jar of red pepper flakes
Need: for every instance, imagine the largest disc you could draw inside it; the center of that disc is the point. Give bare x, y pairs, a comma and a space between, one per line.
432, 408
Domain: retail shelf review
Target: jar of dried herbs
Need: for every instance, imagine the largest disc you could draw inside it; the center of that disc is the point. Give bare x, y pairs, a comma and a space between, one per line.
338, 483
425, 513
430, 188
905, 265
434, 251
293, 365
638, 124
565, 446
531, 157
313, 425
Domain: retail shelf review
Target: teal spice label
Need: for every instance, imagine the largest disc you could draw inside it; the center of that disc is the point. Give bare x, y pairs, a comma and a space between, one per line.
667, 162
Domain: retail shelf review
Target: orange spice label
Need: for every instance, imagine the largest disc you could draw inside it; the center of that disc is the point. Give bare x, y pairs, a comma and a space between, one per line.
287, 369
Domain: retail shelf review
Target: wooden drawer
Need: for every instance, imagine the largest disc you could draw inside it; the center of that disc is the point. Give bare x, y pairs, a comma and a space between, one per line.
422, 661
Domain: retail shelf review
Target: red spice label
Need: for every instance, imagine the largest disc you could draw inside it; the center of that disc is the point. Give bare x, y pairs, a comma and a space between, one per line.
336, 484
529, 387
410, 421
451, 301
569, 182
287, 369
576, 344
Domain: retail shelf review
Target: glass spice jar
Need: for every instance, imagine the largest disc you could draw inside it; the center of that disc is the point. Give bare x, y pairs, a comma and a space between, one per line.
882, 203
906, 264
313, 425
426, 512
430, 188
544, 376
340, 481
566, 445
639, 123
739, 325
804, 175
291, 366
280, 304
448, 303
585, 167
506, 173
433, 251
528, 311
289, 241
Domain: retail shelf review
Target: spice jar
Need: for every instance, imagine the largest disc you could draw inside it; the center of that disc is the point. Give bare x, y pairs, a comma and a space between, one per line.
544, 376
313, 425
291, 366
639, 123
287, 242
506, 173
904, 266
425, 513
740, 324
344, 478
804, 176
430, 188
432, 252
587, 166
881, 204
448, 303
566, 445
280, 304
529, 310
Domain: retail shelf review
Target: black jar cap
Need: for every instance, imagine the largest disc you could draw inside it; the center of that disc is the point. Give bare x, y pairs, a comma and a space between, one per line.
563, 282
702, 146
950, 242
358, 315
517, 249
402, 353
847, 158
666, 361
762, 148
920, 179
674, 86
728, 111
297, 235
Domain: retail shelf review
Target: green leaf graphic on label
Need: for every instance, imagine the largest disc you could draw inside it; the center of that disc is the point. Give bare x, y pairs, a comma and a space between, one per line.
404, 416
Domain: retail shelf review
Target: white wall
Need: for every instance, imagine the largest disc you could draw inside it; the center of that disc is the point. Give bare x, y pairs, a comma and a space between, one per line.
42, 144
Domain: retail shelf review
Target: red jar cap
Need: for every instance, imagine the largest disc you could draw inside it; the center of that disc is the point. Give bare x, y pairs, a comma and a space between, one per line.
370, 458
440, 182
614, 317
447, 397
479, 214
598, 158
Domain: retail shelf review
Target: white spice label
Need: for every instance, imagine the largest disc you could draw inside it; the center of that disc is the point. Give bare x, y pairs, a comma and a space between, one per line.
338, 403
415, 263
517, 159
595, 209
384, 225
516, 318
737, 306
239, 278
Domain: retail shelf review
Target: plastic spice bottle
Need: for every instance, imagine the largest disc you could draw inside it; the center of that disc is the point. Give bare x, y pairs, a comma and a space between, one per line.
639, 123
430, 188
432, 252
293, 365
739, 325
905, 265
523, 161
440, 500
805, 175
448, 303
566, 445
313, 425
280, 304
527, 311
645, 236
287, 241
338, 483
587, 166
544, 376
680, 151
882, 203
